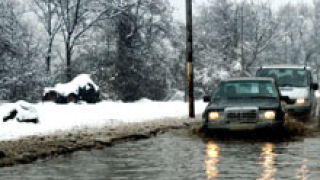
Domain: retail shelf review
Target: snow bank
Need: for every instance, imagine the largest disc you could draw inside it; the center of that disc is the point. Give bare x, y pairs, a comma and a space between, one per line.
176, 95
53, 117
20, 111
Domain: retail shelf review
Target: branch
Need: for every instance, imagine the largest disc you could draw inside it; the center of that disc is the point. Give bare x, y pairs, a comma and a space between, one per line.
78, 35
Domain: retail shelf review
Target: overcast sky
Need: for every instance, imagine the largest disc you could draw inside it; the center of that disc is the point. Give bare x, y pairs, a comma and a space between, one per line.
179, 5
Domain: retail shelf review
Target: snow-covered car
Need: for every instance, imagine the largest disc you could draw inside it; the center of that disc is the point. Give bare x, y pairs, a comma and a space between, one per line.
244, 104
81, 88
297, 83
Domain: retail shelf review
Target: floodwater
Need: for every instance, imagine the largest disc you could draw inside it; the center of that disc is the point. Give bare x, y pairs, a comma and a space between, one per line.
175, 155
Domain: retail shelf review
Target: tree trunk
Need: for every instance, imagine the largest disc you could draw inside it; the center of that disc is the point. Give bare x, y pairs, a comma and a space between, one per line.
68, 59
48, 59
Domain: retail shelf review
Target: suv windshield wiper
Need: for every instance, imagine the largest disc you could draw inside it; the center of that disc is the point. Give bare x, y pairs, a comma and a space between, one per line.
292, 85
286, 85
234, 97
262, 97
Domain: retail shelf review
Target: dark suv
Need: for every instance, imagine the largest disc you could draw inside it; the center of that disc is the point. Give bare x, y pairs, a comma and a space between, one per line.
244, 104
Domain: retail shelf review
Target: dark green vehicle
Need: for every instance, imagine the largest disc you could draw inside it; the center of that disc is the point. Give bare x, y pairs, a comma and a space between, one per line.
244, 104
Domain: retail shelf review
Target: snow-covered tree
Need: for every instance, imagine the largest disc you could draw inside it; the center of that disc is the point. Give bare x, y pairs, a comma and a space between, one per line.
46, 11
20, 72
131, 51
78, 16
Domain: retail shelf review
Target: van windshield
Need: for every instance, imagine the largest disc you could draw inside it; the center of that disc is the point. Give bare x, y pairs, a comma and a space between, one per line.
286, 77
245, 90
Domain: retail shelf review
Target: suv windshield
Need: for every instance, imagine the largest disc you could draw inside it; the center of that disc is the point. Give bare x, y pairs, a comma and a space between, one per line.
286, 77
245, 90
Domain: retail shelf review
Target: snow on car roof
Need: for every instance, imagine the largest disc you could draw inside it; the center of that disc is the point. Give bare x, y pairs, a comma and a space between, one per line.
286, 66
82, 80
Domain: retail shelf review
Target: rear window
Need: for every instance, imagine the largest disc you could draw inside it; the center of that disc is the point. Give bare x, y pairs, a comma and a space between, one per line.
245, 89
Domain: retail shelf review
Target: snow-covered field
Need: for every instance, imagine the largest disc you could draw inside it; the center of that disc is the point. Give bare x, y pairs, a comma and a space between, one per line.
53, 117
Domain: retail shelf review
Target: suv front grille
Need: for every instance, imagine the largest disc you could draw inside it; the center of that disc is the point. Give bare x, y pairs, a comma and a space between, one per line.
242, 116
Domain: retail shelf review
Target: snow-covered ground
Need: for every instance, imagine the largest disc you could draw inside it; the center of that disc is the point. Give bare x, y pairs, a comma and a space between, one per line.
53, 117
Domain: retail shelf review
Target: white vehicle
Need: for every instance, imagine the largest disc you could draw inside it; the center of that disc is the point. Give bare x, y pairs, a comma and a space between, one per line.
295, 82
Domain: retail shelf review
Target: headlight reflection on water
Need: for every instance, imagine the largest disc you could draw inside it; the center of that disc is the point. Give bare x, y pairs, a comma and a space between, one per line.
303, 171
267, 161
213, 154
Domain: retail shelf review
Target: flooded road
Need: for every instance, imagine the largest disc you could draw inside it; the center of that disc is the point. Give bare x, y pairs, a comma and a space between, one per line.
176, 156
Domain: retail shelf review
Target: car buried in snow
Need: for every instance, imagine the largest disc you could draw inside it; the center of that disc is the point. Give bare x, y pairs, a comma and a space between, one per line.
296, 82
80, 89
244, 104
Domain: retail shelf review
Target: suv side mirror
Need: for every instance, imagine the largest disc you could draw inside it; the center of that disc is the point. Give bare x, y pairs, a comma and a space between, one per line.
315, 86
206, 99
285, 99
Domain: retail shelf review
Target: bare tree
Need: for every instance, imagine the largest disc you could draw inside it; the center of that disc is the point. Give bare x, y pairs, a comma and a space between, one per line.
80, 15
260, 30
46, 11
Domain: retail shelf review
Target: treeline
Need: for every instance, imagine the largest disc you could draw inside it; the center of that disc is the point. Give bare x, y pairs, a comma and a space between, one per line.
233, 39
134, 48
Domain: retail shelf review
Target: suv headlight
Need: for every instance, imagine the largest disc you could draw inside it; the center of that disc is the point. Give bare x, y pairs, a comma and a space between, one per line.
214, 115
301, 101
269, 115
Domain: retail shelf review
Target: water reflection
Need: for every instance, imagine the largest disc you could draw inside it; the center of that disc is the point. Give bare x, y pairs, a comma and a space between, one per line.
174, 157
213, 154
303, 171
267, 161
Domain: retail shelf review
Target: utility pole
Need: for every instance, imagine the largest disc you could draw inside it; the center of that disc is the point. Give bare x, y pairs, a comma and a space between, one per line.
189, 56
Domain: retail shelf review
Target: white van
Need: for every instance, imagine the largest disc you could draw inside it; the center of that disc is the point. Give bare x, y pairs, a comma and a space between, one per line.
295, 82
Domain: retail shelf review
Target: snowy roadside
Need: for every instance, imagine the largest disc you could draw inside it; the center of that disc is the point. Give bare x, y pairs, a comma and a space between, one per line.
56, 118
64, 129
